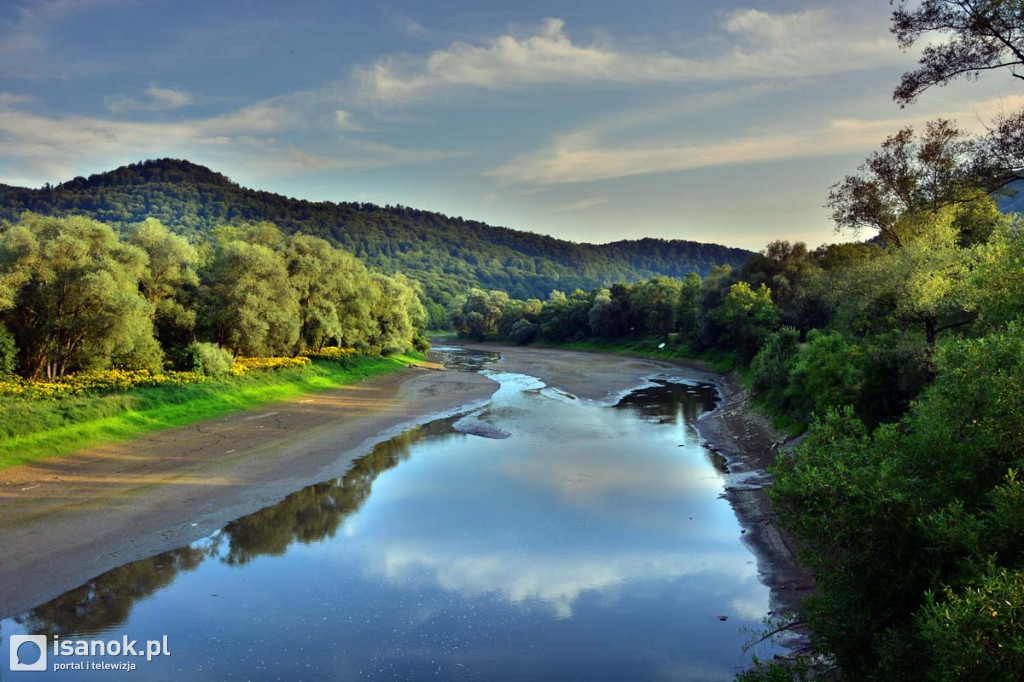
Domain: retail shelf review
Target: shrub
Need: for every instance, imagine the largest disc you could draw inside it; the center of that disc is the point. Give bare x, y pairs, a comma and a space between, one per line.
771, 366
826, 373
208, 359
8, 352
522, 332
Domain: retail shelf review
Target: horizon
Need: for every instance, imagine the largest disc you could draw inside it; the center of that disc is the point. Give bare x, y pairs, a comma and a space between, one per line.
719, 125
343, 201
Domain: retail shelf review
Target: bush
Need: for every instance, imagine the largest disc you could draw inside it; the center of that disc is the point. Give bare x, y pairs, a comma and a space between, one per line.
420, 343
207, 359
8, 352
976, 633
522, 332
825, 374
771, 366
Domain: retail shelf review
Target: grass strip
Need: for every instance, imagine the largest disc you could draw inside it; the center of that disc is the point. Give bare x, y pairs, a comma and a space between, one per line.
35, 429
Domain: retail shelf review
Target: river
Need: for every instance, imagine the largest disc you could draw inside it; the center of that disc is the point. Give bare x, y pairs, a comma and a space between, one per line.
540, 537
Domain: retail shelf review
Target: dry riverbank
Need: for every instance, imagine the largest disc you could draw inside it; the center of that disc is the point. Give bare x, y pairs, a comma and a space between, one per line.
65, 520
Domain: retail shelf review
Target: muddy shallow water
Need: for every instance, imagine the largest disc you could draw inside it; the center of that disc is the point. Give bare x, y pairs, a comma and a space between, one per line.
541, 537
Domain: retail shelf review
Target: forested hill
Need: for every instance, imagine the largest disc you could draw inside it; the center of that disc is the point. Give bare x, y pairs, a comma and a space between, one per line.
448, 254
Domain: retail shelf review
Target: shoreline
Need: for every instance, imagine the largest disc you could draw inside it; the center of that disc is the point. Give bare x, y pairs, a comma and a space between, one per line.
68, 519
748, 443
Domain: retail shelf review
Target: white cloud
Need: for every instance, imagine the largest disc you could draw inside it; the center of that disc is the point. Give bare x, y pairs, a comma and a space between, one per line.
583, 204
346, 121
556, 580
42, 148
582, 157
757, 45
157, 99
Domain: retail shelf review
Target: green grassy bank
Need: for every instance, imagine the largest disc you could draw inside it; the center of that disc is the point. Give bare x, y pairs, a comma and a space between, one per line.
35, 429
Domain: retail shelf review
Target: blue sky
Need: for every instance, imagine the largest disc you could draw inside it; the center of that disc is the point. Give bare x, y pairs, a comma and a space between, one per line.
722, 122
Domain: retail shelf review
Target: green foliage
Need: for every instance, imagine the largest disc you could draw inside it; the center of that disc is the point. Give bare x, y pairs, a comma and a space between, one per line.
8, 352
772, 365
72, 297
891, 518
448, 255
522, 332
747, 317
249, 302
825, 373
208, 359
977, 632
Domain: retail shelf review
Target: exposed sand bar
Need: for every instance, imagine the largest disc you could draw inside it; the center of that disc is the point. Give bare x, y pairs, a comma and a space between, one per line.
68, 519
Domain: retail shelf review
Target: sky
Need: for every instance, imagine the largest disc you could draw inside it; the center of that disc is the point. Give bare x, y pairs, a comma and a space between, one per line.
592, 121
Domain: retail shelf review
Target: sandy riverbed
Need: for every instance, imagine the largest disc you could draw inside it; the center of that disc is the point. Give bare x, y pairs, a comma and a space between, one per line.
68, 519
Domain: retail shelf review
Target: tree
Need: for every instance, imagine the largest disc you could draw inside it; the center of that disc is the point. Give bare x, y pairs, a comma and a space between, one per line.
319, 275
688, 318
656, 304
973, 36
398, 313
250, 304
69, 292
8, 352
169, 276
747, 316
925, 284
908, 173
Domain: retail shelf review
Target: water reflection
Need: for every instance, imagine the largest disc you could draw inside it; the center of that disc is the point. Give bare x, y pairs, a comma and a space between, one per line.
590, 544
307, 516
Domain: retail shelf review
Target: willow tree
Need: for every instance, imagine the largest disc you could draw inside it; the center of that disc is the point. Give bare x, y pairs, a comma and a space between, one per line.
397, 311
168, 279
69, 292
249, 302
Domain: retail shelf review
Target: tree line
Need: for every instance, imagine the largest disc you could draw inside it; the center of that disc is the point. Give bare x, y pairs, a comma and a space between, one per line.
75, 294
446, 254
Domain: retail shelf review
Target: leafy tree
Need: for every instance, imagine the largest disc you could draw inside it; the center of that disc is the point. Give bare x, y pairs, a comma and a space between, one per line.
972, 37
772, 365
908, 175
825, 373
688, 317
655, 304
71, 297
169, 278
748, 316
522, 332
398, 313
249, 302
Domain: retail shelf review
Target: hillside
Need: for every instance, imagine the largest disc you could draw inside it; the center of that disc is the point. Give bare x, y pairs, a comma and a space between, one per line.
447, 254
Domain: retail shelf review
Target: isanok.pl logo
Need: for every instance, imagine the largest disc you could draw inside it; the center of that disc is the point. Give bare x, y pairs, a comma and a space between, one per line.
28, 653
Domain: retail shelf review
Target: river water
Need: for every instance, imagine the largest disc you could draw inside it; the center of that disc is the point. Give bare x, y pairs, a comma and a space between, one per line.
569, 541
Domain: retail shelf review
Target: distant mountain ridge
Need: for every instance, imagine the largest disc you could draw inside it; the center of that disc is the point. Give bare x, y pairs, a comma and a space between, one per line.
448, 254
